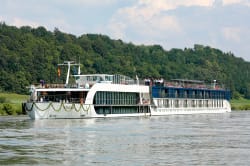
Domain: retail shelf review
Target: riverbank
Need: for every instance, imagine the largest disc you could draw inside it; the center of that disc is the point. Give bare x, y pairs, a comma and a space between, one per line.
240, 104
11, 103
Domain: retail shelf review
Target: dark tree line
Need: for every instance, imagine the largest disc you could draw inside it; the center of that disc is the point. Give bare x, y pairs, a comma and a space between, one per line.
28, 55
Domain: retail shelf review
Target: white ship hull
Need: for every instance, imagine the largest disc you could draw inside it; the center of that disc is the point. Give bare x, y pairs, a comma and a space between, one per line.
79, 111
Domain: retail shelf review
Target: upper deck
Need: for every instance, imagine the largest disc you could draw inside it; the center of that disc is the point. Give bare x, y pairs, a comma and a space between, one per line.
182, 88
86, 81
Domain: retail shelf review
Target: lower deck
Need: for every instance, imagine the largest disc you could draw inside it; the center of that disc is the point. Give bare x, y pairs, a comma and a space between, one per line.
159, 106
188, 103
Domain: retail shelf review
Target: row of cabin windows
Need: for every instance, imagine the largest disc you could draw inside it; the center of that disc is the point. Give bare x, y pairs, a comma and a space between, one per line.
188, 103
176, 93
116, 98
121, 110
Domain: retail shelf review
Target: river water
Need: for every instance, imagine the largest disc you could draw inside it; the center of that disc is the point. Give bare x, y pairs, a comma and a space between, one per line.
205, 139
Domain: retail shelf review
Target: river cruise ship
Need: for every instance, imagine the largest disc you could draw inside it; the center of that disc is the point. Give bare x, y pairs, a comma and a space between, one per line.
105, 95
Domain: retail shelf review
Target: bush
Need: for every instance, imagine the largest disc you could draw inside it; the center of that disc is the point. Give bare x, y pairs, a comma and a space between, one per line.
2, 99
236, 95
245, 107
234, 108
1, 110
8, 109
18, 110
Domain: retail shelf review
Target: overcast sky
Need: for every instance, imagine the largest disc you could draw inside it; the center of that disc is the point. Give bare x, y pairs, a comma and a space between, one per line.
222, 24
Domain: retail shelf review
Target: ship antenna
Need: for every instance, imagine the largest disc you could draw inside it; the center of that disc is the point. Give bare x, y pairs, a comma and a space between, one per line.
214, 84
79, 68
67, 79
68, 63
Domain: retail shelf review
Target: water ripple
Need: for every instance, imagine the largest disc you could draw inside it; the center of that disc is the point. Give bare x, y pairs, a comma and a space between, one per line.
216, 139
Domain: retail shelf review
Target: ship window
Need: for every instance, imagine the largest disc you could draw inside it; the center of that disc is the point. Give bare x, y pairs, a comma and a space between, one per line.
166, 93
116, 98
185, 103
200, 94
166, 103
200, 103
124, 110
176, 93
206, 103
62, 96
193, 94
206, 95
170, 103
185, 94
176, 103
163, 93
193, 103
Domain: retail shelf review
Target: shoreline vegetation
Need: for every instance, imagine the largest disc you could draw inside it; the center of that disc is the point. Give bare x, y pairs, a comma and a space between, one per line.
240, 104
11, 104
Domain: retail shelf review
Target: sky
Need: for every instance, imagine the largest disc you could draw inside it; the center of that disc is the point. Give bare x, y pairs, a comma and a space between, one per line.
222, 24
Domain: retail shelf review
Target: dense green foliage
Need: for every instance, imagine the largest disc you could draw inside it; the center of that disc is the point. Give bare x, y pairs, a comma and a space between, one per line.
240, 104
28, 55
10, 103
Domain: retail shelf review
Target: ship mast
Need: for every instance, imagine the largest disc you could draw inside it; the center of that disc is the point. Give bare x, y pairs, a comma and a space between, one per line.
70, 63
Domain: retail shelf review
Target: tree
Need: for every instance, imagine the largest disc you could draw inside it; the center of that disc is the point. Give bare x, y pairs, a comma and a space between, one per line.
30, 54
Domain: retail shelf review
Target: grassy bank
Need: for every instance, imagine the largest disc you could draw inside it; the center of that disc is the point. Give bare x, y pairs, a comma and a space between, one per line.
240, 104
10, 103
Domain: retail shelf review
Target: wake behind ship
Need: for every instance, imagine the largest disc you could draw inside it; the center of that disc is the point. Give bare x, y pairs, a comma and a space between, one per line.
106, 95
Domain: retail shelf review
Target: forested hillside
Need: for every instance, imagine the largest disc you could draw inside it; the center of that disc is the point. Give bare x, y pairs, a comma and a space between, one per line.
28, 55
